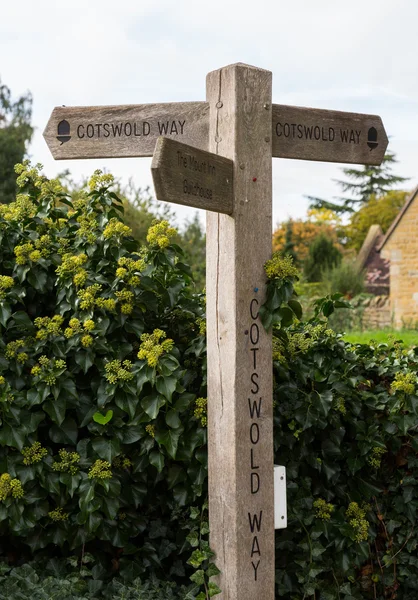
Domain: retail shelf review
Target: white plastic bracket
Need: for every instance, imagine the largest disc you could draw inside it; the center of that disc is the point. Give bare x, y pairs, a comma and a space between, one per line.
280, 503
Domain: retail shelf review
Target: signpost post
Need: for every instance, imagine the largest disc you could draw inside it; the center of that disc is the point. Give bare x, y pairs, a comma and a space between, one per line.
217, 155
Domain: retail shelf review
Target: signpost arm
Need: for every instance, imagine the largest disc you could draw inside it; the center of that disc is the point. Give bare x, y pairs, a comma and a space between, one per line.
240, 421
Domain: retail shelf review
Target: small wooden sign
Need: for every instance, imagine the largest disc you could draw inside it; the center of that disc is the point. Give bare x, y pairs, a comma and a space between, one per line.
124, 131
186, 175
328, 135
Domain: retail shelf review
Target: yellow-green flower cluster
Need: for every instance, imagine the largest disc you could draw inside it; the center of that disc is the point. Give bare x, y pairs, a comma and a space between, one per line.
34, 454
118, 371
47, 369
87, 341
22, 208
101, 469
160, 233
27, 174
278, 350
150, 429
108, 304
10, 487
200, 412
404, 382
63, 244
50, 187
126, 299
48, 326
6, 283
68, 462
375, 458
151, 349
323, 510
358, 521
280, 267
88, 226
43, 245
128, 270
292, 427
72, 264
47, 187
100, 179
88, 296
75, 327
25, 253
122, 462
2, 380
58, 515
116, 228
201, 323
12, 349
340, 406
303, 342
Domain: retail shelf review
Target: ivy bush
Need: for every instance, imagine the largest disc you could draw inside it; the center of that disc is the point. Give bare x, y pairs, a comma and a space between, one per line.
102, 385
103, 454
345, 426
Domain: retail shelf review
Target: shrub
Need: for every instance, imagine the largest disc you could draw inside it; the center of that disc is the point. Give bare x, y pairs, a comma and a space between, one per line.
322, 255
345, 278
103, 439
102, 359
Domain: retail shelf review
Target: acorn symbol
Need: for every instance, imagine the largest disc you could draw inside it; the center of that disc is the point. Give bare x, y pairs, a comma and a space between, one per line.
63, 132
372, 138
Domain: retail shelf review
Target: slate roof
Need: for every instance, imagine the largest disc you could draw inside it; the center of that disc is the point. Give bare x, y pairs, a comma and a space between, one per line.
376, 267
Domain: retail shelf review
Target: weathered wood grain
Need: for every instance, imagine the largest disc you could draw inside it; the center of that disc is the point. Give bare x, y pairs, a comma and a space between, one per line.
186, 175
327, 135
240, 413
124, 131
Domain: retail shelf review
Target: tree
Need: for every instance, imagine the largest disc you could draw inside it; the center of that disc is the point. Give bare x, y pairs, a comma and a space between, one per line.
322, 255
363, 183
193, 243
304, 231
15, 134
378, 211
289, 245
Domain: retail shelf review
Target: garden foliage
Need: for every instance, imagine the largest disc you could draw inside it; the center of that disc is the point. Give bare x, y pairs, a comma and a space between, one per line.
103, 456
102, 384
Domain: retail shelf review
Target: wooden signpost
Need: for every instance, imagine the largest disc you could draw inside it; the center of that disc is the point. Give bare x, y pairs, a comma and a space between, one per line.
186, 175
217, 155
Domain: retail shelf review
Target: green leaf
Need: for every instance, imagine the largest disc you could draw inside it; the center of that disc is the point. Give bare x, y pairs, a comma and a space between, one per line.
5, 313
198, 577
172, 419
212, 570
85, 360
157, 460
56, 410
169, 439
67, 433
106, 448
213, 589
103, 419
166, 386
152, 404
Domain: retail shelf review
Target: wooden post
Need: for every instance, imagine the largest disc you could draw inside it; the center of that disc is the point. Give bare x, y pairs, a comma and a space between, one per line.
240, 406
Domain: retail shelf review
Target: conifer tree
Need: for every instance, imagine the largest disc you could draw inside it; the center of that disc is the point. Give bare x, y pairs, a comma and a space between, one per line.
363, 183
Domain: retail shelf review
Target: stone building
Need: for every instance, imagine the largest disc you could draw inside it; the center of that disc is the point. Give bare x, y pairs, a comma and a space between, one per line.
400, 247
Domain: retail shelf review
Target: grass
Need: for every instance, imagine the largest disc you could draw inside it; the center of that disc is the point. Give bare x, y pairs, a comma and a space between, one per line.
408, 336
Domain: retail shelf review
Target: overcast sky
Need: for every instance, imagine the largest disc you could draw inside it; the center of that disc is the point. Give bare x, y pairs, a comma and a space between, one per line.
352, 55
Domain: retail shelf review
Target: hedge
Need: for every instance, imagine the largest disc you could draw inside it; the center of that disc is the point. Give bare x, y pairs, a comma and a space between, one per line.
103, 455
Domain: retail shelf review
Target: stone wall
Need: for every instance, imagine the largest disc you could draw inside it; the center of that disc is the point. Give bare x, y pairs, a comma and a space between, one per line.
401, 248
376, 312
368, 313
